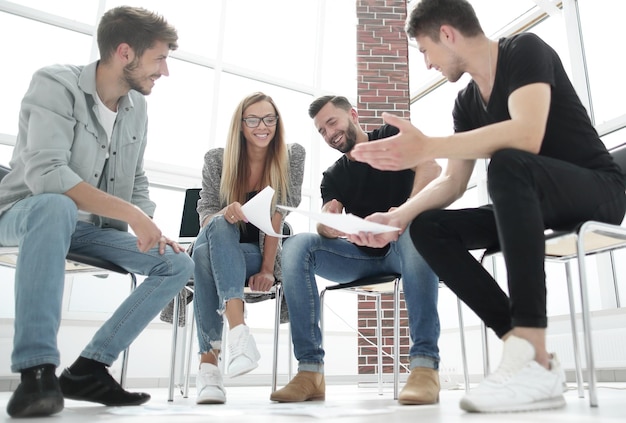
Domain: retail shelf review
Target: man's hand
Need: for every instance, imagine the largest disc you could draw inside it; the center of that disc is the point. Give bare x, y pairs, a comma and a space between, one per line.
379, 240
163, 241
402, 151
149, 235
333, 206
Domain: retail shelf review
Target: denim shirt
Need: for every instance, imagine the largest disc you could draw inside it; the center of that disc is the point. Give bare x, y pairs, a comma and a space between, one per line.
61, 142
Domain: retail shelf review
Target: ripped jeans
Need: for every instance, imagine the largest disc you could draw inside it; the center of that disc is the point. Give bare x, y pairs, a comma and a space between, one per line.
222, 267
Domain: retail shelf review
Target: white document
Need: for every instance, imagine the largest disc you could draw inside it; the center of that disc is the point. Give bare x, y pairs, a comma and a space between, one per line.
347, 223
258, 211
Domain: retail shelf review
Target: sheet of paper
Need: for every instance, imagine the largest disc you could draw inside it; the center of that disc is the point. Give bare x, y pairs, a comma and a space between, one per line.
347, 223
258, 211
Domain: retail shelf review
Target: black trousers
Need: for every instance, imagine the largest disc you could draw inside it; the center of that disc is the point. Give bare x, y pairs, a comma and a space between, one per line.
529, 193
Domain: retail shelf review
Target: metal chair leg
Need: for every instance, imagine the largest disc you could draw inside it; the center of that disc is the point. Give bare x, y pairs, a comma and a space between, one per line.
396, 337
176, 315
379, 343
584, 300
572, 315
278, 297
463, 350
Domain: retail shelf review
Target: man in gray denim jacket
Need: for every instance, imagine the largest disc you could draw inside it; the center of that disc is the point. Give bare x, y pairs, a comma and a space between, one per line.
77, 182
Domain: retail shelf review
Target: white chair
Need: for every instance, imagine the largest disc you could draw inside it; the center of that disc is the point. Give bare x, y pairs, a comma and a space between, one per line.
376, 286
585, 239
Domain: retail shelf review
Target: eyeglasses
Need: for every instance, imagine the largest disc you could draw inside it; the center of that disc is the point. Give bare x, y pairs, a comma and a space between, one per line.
253, 122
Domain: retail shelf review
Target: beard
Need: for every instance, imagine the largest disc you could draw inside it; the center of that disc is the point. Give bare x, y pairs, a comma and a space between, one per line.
350, 138
133, 80
455, 69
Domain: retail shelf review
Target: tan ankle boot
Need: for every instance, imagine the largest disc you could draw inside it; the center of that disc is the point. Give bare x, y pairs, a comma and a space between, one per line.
422, 387
305, 386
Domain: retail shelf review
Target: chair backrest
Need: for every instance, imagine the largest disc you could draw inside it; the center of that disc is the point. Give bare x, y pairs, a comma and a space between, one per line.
4, 171
190, 222
619, 155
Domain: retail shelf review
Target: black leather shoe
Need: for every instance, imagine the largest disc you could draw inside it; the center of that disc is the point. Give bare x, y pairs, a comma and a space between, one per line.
38, 393
98, 387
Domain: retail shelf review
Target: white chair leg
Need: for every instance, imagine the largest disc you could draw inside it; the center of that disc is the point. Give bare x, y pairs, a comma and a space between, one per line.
278, 298
584, 300
175, 316
379, 343
463, 350
572, 315
618, 301
396, 337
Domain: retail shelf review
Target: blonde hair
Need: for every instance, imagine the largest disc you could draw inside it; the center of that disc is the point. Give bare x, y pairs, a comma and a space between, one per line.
235, 169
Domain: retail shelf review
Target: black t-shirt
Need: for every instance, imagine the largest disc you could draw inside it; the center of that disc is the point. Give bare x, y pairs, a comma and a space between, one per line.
364, 190
250, 233
525, 59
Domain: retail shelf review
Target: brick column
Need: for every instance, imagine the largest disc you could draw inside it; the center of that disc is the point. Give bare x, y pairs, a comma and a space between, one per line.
383, 86
382, 60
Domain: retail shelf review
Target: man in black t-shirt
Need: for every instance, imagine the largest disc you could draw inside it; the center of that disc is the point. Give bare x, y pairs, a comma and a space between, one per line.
548, 169
359, 189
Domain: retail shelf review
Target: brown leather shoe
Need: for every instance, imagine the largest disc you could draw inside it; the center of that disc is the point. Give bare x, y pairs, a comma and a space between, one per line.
305, 386
422, 387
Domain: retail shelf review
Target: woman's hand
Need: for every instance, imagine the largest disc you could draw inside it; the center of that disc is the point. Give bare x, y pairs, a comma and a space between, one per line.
233, 213
262, 281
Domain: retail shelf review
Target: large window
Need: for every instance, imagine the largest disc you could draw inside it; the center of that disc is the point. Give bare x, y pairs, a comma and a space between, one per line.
292, 51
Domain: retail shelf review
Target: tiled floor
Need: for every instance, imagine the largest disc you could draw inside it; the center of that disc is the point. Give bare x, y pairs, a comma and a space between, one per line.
344, 404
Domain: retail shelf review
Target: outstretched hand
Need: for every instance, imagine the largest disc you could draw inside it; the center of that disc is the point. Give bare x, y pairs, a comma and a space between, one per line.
402, 151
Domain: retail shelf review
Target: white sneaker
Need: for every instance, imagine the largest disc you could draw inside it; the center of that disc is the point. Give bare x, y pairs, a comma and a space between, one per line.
519, 383
243, 355
209, 385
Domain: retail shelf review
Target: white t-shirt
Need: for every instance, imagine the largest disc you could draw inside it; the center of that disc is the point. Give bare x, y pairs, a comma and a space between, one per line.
107, 119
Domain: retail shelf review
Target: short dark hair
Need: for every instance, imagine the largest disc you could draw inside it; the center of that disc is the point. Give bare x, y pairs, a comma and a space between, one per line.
337, 100
137, 27
427, 17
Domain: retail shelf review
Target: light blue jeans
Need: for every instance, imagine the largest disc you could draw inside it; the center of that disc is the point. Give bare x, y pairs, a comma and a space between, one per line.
306, 255
222, 267
45, 227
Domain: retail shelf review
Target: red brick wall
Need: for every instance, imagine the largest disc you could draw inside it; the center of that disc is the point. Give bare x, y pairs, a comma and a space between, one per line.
382, 60
383, 86
368, 359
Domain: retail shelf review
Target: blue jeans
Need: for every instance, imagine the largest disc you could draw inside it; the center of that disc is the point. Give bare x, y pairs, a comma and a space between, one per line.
45, 227
306, 255
222, 268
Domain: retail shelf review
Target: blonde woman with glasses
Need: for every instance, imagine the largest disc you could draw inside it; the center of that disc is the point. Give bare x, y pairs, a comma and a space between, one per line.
230, 252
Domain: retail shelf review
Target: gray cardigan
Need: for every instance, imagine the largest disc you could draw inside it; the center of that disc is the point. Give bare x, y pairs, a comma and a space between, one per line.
209, 202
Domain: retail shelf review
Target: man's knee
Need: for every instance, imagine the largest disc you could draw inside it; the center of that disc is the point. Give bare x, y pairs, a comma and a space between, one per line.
507, 170
57, 208
424, 227
296, 247
506, 163
184, 264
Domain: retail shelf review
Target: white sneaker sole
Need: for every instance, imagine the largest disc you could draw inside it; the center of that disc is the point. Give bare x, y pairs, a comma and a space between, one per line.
242, 370
211, 399
546, 404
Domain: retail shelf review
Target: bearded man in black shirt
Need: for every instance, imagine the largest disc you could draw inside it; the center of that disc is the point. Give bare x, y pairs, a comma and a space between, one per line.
359, 189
